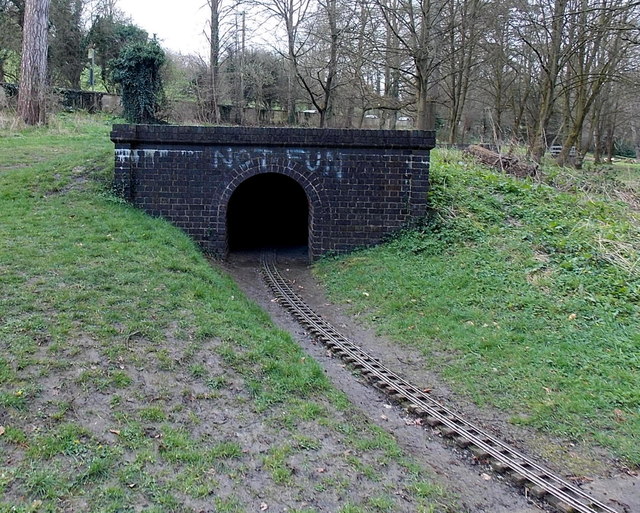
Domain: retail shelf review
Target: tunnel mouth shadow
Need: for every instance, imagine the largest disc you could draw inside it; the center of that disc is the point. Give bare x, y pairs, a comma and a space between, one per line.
268, 211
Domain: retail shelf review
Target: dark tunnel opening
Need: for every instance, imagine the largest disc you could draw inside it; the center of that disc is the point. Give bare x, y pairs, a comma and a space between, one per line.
267, 210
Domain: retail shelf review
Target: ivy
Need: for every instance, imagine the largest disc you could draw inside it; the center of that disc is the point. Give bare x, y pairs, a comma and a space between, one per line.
137, 70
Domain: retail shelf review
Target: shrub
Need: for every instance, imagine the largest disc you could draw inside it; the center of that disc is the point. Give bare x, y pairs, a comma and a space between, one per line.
137, 71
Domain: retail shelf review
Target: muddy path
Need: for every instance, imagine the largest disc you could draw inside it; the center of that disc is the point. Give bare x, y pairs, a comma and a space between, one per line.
479, 489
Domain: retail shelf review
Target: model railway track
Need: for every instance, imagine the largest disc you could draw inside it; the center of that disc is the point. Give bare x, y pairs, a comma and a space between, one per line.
535, 479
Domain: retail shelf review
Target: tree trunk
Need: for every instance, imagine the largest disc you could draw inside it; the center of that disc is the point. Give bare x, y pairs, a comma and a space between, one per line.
332, 68
214, 63
551, 69
597, 135
292, 70
33, 68
392, 62
611, 124
462, 50
636, 141
426, 116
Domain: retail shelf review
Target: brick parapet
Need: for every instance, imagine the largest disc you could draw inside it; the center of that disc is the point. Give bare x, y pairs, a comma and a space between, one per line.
284, 137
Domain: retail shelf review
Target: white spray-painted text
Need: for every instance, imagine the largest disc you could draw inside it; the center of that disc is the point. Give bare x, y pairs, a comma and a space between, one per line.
323, 161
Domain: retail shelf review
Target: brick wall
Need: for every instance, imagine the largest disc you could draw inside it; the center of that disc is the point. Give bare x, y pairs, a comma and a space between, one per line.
361, 184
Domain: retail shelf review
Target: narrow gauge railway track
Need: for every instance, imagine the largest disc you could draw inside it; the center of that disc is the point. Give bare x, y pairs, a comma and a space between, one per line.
535, 479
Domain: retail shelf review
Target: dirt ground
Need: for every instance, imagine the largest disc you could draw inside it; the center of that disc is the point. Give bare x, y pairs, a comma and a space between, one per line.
480, 490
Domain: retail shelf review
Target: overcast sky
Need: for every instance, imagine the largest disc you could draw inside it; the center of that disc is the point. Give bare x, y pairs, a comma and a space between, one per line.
178, 24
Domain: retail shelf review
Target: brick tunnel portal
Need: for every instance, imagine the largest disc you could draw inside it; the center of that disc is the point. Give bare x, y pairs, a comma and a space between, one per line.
267, 210
231, 188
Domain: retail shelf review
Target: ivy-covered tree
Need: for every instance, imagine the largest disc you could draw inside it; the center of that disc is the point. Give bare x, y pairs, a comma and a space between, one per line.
137, 71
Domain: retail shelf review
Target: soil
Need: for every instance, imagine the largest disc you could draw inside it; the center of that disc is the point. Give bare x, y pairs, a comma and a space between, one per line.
479, 489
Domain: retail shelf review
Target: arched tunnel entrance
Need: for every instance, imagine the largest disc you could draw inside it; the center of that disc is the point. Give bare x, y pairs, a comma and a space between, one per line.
267, 210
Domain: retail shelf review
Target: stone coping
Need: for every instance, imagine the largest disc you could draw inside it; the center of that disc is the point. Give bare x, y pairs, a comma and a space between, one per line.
273, 136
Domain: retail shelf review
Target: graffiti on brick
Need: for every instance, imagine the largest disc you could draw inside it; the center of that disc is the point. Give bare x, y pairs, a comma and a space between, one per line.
327, 162
124, 155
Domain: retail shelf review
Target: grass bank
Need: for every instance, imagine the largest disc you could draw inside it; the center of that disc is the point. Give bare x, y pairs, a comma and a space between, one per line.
134, 376
521, 295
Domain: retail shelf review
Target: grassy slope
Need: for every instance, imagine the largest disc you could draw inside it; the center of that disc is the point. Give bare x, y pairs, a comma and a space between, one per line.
522, 296
135, 376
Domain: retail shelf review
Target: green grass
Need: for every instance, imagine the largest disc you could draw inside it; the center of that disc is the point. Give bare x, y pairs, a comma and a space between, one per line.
520, 295
616, 181
134, 375
276, 463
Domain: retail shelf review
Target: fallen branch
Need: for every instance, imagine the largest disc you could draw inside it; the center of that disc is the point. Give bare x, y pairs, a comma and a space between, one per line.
506, 163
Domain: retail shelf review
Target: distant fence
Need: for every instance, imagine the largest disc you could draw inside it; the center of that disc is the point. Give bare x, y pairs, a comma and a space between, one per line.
91, 101
556, 149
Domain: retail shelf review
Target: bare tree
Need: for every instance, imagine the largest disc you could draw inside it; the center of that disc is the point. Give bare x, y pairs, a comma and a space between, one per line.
462, 35
290, 14
416, 26
542, 29
264, 75
33, 69
317, 69
599, 49
499, 73
356, 89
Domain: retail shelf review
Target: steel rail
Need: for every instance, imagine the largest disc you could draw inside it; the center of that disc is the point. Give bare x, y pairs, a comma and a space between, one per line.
541, 482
